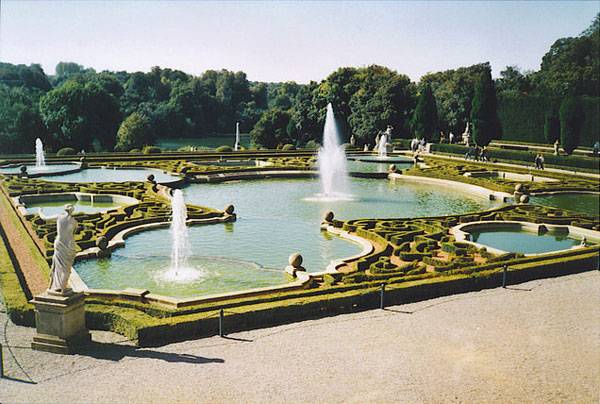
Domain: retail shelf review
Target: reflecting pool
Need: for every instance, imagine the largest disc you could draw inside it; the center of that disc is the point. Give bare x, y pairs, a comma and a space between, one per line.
520, 241
47, 169
112, 175
275, 219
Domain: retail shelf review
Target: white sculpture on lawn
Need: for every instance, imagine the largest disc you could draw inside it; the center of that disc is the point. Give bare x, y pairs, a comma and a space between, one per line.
64, 251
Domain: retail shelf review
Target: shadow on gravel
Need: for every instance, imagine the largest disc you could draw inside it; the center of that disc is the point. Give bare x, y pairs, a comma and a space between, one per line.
12, 379
116, 352
237, 339
518, 289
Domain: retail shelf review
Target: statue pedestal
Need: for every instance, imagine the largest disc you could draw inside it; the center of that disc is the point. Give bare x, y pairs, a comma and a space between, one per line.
60, 322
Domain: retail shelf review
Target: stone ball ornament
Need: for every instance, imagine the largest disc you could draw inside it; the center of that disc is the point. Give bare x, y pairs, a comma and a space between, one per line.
295, 260
102, 243
524, 199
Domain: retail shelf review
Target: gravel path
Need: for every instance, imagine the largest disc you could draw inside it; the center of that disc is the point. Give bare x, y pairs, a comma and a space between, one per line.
535, 342
36, 281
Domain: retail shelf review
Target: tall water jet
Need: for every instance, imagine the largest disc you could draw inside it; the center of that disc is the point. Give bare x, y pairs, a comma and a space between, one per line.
180, 249
40, 161
382, 146
332, 161
180, 269
237, 136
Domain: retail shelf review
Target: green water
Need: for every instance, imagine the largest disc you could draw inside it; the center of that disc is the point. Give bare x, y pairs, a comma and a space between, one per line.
209, 142
112, 175
583, 203
522, 241
275, 219
56, 207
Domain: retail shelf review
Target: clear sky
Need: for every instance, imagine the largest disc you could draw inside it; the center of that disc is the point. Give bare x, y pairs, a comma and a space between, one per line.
280, 41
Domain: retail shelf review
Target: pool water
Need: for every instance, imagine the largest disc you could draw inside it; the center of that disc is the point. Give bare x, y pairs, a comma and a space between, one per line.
523, 242
56, 207
275, 218
31, 169
582, 203
112, 175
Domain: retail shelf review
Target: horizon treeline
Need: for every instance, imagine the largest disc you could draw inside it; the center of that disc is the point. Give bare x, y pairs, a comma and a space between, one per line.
80, 108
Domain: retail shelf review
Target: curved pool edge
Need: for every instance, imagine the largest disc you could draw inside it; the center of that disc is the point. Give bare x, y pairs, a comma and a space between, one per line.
302, 278
475, 190
77, 167
21, 205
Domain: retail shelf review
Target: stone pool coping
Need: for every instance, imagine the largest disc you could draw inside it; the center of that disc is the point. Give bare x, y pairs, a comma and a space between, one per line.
510, 176
549, 193
21, 201
461, 233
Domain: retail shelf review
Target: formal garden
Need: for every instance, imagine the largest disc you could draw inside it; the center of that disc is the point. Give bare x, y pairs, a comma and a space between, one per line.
401, 229
146, 213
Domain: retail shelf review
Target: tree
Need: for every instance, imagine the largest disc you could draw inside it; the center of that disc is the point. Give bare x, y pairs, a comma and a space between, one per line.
453, 91
424, 121
484, 117
32, 77
551, 125
134, 133
383, 97
20, 122
271, 129
572, 65
82, 116
512, 80
571, 119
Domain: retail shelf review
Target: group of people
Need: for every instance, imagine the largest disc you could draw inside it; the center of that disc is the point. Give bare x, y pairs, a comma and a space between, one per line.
451, 137
417, 145
477, 153
539, 161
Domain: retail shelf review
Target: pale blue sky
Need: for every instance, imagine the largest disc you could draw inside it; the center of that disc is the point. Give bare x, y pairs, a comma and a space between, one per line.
279, 41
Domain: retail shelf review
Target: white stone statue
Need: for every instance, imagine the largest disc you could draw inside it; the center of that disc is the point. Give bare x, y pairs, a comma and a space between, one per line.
466, 135
352, 141
64, 251
388, 133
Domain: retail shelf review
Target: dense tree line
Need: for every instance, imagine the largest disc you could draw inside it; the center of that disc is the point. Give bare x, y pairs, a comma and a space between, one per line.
84, 109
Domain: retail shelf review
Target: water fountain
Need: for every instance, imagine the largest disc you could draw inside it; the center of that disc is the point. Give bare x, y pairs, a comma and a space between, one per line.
40, 161
382, 146
179, 270
237, 136
332, 162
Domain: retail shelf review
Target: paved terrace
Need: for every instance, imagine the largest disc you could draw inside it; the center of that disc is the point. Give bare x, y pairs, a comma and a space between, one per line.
534, 342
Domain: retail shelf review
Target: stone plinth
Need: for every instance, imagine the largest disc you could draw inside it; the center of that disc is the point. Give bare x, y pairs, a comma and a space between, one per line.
60, 322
